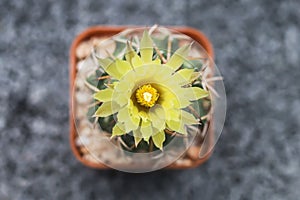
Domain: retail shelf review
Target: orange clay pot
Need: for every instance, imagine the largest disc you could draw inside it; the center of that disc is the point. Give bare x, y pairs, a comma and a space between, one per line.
100, 31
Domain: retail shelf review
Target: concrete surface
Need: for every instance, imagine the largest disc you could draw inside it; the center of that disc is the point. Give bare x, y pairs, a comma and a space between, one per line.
257, 50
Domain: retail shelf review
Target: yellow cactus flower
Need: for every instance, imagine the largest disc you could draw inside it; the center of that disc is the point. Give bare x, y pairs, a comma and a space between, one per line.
148, 96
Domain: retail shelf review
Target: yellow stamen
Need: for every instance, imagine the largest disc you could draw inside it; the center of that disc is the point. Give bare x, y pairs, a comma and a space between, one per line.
146, 95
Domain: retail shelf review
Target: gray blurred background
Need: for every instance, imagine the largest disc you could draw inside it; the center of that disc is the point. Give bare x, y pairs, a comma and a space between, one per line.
257, 50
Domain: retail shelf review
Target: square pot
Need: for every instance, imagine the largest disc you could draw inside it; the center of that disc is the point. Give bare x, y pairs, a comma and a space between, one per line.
107, 31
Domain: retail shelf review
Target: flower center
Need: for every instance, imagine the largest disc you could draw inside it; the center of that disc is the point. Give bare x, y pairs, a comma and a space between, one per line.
146, 95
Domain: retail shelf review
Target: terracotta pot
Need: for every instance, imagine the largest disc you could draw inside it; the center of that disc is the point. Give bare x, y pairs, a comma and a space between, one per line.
106, 31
